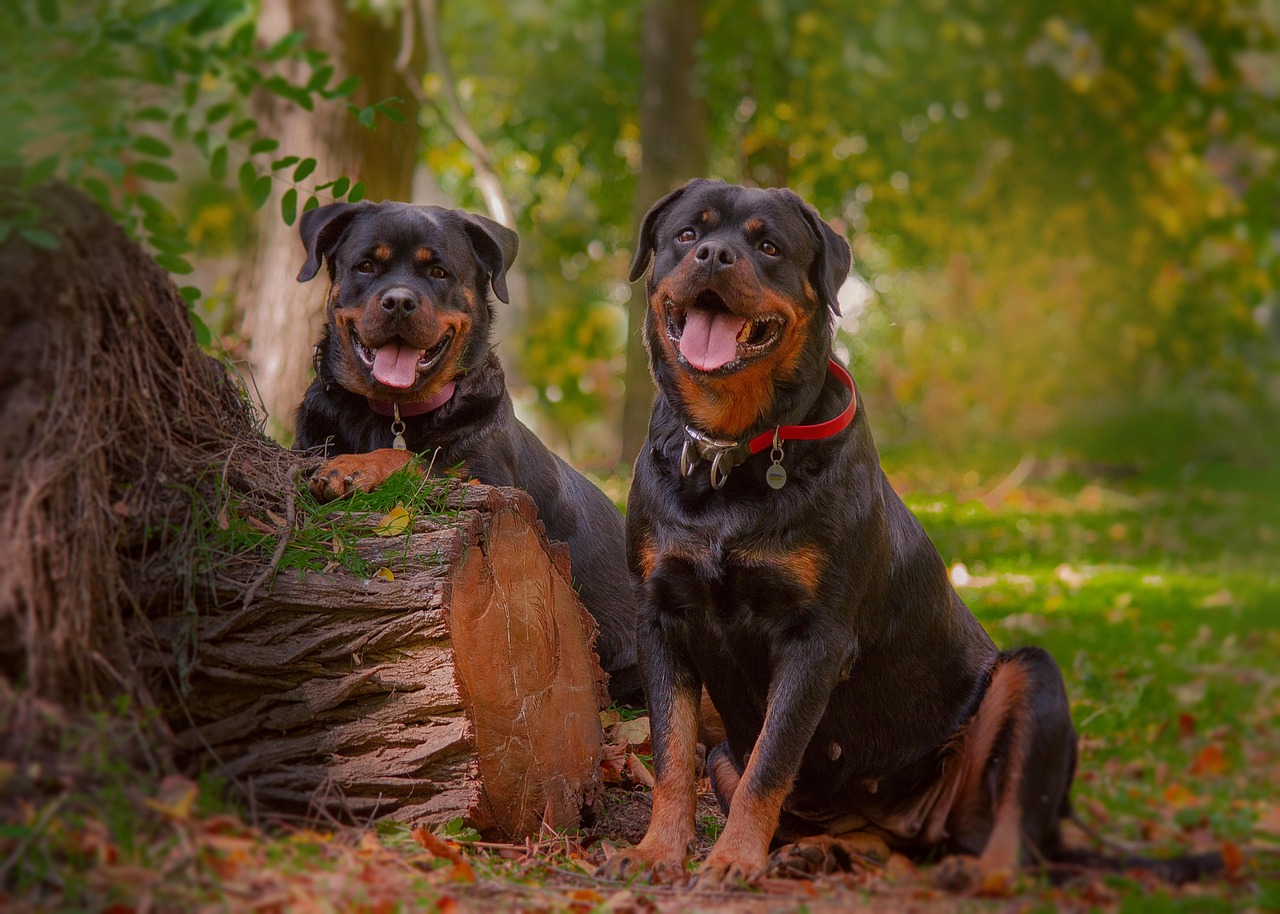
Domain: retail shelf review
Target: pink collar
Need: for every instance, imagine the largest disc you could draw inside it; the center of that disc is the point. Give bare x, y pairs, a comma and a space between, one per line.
418, 408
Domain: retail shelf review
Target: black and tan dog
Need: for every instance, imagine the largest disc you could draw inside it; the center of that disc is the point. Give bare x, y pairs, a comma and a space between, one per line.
406, 351
777, 568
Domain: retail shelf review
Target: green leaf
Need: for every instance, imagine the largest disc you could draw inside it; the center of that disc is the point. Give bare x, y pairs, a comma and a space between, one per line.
152, 207
387, 109
48, 10
285, 89
218, 164
340, 187
41, 171
204, 336
285, 45
248, 175
289, 206
171, 244
284, 163
264, 145
99, 190
174, 264
248, 125
200, 139
304, 170
217, 113
38, 237
320, 78
154, 171
260, 191
190, 92
190, 293
347, 87
150, 146
312, 203
366, 116
152, 113
357, 192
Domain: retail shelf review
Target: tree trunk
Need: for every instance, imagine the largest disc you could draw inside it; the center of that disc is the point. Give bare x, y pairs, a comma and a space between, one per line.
673, 141
463, 688
282, 318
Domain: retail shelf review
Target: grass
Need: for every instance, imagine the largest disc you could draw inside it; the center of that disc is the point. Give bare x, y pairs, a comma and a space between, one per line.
1159, 595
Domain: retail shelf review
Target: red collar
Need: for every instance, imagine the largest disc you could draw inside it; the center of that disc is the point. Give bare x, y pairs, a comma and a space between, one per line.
419, 408
812, 432
725, 455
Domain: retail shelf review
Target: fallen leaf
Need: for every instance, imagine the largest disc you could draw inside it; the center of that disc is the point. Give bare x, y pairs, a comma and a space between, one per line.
1269, 819
1232, 859
1217, 599
175, 798
1186, 725
1210, 761
639, 772
1180, 797
385, 574
396, 523
630, 732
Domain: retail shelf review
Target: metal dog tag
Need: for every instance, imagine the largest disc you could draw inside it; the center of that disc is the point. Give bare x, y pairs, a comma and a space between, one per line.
776, 475
397, 429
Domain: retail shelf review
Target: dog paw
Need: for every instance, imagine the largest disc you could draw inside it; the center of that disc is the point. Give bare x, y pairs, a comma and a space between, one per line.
350, 473
724, 870
633, 863
963, 873
825, 854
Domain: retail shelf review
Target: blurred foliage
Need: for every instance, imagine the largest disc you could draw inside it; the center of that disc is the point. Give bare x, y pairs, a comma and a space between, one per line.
1065, 221
120, 98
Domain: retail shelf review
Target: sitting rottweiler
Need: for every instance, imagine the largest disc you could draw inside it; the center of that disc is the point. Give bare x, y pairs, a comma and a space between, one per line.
777, 569
405, 365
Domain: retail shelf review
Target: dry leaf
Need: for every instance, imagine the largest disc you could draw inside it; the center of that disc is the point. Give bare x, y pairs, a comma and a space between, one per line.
396, 523
630, 732
1232, 859
639, 772
385, 574
1210, 761
1179, 797
176, 797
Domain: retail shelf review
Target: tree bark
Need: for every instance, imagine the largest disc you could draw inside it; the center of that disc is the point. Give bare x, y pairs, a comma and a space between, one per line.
282, 318
673, 142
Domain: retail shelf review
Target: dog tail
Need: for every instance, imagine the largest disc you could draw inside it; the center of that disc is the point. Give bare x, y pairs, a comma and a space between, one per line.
1176, 870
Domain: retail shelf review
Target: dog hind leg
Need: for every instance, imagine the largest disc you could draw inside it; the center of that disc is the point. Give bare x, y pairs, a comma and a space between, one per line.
1017, 762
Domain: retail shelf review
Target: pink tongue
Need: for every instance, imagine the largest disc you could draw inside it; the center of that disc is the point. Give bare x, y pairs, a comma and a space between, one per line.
710, 338
396, 365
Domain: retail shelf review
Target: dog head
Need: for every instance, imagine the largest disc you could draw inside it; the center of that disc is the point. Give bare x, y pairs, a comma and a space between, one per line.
408, 308
741, 299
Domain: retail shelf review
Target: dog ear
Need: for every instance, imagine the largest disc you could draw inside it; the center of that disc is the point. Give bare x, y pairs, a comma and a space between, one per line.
831, 266
320, 229
647, 241
496, 247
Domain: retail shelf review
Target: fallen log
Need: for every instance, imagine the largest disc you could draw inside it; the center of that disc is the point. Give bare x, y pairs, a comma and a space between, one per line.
457, 682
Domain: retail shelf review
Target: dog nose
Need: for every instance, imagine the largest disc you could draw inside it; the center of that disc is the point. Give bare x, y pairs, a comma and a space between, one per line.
715, 255
399, 302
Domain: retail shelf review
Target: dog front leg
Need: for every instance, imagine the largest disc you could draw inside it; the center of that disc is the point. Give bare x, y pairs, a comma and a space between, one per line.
673, 692
805, 672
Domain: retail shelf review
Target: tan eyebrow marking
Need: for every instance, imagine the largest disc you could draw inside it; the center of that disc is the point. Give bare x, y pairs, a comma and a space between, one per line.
382, 252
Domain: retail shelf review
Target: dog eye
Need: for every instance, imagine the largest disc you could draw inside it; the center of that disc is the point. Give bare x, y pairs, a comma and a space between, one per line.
439, 273
364, 266
686, 235
768, 247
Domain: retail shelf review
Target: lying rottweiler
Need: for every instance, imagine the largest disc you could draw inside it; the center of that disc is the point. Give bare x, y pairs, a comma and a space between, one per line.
405, 366
777, 568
